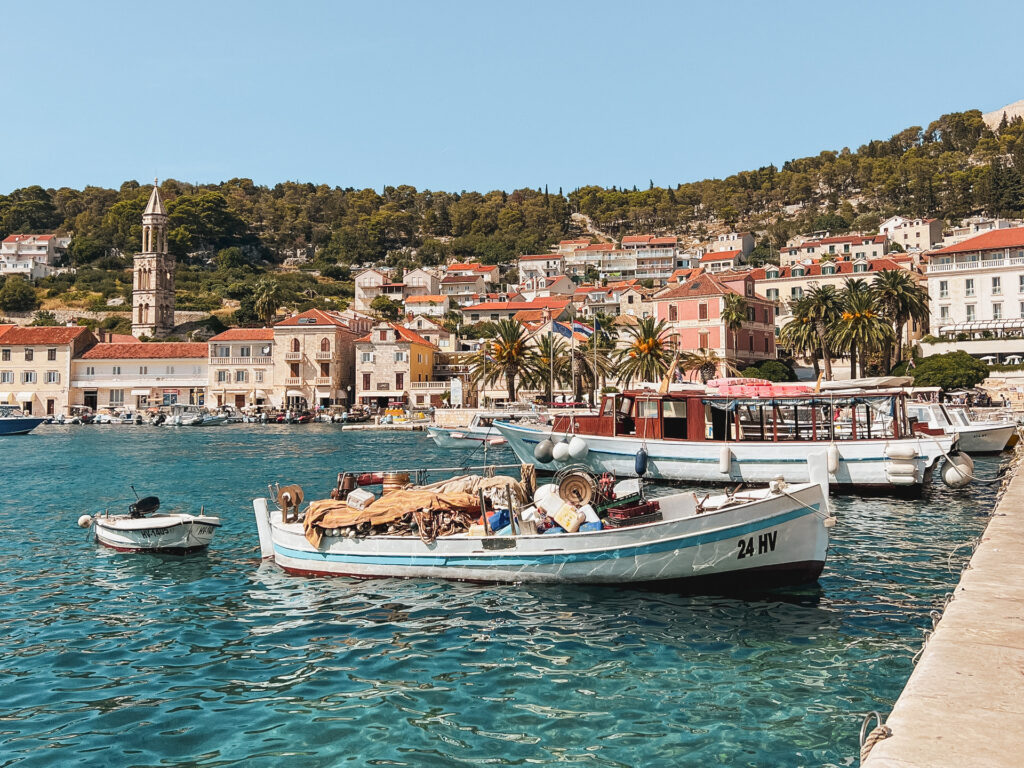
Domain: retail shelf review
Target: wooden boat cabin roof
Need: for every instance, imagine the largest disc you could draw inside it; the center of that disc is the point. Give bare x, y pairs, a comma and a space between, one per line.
698, 415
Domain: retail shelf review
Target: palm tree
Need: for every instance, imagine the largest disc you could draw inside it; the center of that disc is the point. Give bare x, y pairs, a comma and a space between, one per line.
800, 335
506, 355
647, 356
549, 351
705, 363
734, 314
854, 289
586, 368
860, 328
900, 298
267, 297
823, 307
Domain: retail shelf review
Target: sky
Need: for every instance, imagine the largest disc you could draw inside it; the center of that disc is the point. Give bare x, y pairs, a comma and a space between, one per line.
478, 95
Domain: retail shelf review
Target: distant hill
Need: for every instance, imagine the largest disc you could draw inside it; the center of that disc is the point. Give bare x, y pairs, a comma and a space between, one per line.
1012, 111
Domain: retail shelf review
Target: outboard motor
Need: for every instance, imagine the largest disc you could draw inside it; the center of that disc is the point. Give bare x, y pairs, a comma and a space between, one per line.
144, 506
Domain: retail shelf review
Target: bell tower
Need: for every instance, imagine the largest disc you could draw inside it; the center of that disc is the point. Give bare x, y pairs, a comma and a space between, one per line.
153, 274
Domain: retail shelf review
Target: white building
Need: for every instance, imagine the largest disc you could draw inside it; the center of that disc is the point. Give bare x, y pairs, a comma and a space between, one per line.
540, 265
918, 234
842, 247
978, 285
32, 256
976, 225
139, 376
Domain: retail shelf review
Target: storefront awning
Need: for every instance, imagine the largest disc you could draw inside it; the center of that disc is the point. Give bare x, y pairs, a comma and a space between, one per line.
136, 392
24, 396
1013, 324
295, 393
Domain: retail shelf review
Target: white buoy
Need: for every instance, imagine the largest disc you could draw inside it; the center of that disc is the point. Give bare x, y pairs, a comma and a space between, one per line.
542, 492
833, 459
578, 447
84, 521
560, 452
724, 460
956, 473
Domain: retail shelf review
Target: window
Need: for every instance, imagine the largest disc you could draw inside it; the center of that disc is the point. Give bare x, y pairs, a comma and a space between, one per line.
673, 313
494, 316
90, 370
28, 377
944, 313
968, 287
143, 369
399, 357
629, 299
704, 340
828, 269
997, 286
170, 369
325, 345
798, 271
222, 376
295, 345
28, 354
419, 357
943, 289
52, 377
970, 312
6, 353
751, 340
366, 381
117, 397
383, 335
223, 352
245, 351
116, 370
1020, 283
702, 311
997, 311
241, 376
773, 294
366, 357
258, 377
796, 292
751, 314
399, 381
474, 317
51, 354
6, 377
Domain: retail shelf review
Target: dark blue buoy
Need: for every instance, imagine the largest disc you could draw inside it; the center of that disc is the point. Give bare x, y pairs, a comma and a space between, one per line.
641, 462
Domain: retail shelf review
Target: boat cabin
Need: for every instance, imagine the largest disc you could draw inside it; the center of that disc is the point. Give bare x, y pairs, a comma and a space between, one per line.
704, 417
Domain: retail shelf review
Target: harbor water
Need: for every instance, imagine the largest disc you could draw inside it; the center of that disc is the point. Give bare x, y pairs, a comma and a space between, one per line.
220, 660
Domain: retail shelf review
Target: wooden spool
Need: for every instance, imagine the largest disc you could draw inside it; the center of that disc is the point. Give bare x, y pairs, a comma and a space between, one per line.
394, 481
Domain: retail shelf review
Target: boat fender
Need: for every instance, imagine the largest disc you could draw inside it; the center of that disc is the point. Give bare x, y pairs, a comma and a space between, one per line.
640, 464
955, 472
901, 452
560, 452
833, 459
578, 447
725, 460
901, 468
543, 451
84, 521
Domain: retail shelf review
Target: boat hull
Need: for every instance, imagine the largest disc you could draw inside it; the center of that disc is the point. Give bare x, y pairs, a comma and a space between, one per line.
864, 466
468, 437
171, 534
19, 425
777, 539
981, 438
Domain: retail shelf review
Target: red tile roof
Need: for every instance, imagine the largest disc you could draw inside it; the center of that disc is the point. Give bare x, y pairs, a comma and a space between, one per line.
581, 241
664, 241
598, 247
154, 350
994, 240
404, 333
540, 257
631, 239
4, 328
702, 285
22, 238
549, 302
720, 256
42, 335
460, 279
319, 316
430, 298
245, 334
814, 269
474, 265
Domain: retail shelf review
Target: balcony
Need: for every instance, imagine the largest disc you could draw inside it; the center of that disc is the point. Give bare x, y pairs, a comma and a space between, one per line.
324, 356
430, 386
293, 381
970, 266
240, 360
292, 357
323, 381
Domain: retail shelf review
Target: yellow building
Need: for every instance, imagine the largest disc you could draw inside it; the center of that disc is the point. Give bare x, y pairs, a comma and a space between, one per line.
395, 364
35, 366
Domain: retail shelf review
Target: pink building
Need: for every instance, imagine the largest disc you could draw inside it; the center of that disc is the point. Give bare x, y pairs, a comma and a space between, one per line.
694, 311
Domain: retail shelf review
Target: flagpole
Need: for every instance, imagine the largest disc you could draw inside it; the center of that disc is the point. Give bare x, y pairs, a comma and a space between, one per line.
593, 401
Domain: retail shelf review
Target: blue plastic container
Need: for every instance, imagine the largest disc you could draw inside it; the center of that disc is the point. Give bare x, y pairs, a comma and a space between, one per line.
499, 520
591, 527
554, 529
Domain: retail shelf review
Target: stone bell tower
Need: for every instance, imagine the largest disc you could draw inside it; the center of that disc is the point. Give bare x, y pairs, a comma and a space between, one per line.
153, 278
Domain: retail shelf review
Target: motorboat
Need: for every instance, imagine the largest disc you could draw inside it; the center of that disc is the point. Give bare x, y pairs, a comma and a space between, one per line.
182, 415
480, 430
142, 530
749, 539
749, 436
14, 421
974, 436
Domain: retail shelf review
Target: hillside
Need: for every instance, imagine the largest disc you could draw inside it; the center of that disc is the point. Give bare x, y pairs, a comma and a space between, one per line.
227, 235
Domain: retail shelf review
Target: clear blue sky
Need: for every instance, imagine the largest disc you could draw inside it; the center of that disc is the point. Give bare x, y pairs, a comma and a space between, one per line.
478, 95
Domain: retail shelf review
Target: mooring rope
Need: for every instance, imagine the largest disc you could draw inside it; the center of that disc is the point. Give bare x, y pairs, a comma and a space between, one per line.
878, 733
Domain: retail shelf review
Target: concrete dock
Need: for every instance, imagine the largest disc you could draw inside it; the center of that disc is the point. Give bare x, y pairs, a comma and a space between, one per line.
964, 703
371, 427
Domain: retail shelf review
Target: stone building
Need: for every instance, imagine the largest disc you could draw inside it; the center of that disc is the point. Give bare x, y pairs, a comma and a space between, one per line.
314, 359
394, 361
241, 365
153, 275
36, 366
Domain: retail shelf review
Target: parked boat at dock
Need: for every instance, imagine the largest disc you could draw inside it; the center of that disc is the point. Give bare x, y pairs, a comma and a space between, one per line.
702, 436
13, 421
141, 530
974, 437
752, 539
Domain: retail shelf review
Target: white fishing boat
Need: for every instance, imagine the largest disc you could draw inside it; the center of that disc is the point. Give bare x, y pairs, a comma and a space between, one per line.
750, 435
480, 430
751, 539
143, 531
974, 436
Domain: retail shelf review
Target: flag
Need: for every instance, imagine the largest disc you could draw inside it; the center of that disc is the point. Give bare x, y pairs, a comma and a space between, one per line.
586, 330
561, 330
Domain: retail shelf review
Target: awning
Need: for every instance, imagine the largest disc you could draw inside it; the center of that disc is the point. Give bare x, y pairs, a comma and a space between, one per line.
140, 392
295, 393
4, 397
24, 396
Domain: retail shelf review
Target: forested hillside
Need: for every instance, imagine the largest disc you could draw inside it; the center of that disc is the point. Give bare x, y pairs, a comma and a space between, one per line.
226, 234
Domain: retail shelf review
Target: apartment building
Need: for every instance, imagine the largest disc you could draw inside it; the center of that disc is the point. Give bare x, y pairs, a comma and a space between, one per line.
432, 305
32, 256
721, 261
843, 247
545, 287
434, 332
489, 273
463, 289
507, 310
540, 265
976, 225
314, 359
395, 366
140, 375
734, 241
36, 366
241, 367
912, 234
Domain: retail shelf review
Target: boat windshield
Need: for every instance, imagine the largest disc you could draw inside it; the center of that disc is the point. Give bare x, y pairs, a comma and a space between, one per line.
10, 412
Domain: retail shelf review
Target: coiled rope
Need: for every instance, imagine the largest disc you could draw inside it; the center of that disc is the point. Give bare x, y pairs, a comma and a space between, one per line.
878, 733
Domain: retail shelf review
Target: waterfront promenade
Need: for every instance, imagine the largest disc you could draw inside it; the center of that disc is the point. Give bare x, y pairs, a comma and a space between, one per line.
964, 702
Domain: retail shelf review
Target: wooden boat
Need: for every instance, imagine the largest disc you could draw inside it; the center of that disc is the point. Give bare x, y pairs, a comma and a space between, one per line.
13, 421
143, 531
773, 536
698, 436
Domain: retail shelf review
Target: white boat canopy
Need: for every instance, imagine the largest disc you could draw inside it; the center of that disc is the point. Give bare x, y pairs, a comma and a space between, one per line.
873, 382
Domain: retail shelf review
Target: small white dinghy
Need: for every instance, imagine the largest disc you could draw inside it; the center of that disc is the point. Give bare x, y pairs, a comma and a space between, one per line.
142, 531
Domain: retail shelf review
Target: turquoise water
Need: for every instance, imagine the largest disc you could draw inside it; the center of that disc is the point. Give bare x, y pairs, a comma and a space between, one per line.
218, 660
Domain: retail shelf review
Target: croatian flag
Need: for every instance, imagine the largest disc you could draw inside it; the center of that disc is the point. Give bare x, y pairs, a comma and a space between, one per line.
586, 330
561, 330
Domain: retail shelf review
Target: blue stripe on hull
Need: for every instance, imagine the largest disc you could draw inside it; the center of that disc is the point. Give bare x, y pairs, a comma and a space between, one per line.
553, 559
